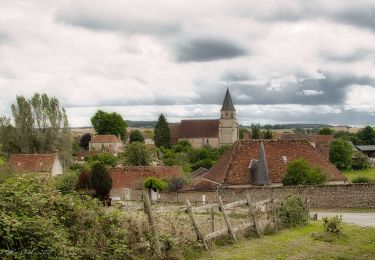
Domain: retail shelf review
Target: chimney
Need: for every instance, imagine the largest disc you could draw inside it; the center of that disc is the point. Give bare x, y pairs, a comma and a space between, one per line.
259, 171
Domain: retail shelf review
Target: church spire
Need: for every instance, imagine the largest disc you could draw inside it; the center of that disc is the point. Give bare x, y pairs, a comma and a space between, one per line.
227, 103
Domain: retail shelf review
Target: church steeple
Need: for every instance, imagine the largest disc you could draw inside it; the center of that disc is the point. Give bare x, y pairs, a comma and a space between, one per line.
227, 103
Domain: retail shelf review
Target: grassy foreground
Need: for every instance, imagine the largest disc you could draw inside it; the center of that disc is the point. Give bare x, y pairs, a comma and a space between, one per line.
297, 243
368, 173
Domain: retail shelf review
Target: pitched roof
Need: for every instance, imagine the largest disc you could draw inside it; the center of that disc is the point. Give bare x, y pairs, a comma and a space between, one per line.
198, 172
104, 139
174, 130
33, 162
320, 138
132, 177
207, 128
233, 167
227, 103
366, 148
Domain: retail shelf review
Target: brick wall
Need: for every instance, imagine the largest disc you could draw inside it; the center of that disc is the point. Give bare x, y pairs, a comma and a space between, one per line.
328, 196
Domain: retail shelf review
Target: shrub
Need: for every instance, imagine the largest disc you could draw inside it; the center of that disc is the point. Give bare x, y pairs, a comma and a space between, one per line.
35, 218
332, 224
137, 155
84, 181
101, 181
176, 184
300, 172
361, 180
340, 154
103, 158
66, 182
360, 161
293, 212
155, 184
136, 136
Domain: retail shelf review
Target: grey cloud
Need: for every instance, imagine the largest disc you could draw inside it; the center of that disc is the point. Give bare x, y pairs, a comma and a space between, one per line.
360, 17
358, 55
236, 76
205, 49
102, 21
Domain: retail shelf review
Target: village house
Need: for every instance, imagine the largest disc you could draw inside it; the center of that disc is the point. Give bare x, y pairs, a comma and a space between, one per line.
106, 143
261, 162
127, 182
44, 163
213, 132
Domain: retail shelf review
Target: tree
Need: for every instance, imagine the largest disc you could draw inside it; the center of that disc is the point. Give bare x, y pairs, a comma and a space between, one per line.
101, 181
243, 132
8, 138
326, 131
137, 155
300, 172
102, 158
267, 134
255, 133
136, 136
85, 140
109, 123
155, 184
367, 135
162, 134
340, 154
84, 181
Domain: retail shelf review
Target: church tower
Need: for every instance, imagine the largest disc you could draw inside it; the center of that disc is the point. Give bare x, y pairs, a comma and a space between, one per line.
228, 125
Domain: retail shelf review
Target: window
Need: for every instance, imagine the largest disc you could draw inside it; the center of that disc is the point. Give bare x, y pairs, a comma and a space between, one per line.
285, 160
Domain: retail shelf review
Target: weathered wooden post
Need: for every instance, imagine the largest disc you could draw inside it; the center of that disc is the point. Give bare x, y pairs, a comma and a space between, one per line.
195, 225
253, 217
230, 230
151, 220
212, 218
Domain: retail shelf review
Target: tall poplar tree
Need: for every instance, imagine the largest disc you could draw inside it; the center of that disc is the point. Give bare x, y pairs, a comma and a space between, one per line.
162, 133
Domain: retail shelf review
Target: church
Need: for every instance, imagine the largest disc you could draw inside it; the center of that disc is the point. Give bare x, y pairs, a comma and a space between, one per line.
212, 132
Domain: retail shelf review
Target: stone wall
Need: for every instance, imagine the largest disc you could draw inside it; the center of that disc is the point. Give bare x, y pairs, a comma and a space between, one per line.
328, 196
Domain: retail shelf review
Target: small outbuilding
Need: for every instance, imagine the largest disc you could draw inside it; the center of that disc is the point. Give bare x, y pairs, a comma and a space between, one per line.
44, 163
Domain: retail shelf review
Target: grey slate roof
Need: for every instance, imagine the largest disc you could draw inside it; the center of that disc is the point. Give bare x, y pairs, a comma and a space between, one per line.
228, 104
366, 148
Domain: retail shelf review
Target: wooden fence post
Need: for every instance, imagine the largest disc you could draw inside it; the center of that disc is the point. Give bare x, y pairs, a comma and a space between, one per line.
212, 218
195, 225
230, 230
252, 214
154, 229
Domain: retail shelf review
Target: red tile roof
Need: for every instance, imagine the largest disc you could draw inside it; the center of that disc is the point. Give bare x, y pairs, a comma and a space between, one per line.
33, 162
132, 177
233, 167
104, 139
199, 128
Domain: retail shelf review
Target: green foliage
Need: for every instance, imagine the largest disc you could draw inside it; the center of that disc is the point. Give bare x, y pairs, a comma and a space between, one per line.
155, 184
205, 163
137, 154
8, 137
360, 161
149, 133
243, 132
66, 182
361, 180
136, 136
37, 219
293, 212
300, 172
340, 154
84, 181
367, 135
255, 133
326, 131
103, 158
109, 123
332, 224
162, 135
267, 134
101, 181
85, 141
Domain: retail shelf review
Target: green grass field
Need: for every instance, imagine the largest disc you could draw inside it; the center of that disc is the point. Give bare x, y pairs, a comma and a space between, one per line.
297, 243
368, 173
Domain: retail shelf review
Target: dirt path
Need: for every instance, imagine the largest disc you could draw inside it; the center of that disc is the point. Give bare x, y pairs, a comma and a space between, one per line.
365, 219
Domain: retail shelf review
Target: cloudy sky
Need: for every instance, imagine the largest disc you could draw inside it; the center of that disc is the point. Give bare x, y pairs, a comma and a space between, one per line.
285, 61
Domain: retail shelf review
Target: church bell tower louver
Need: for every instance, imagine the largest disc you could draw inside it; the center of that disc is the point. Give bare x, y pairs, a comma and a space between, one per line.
228, 125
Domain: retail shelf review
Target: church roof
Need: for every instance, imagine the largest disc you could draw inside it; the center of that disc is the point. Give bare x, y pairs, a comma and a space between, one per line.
228, 104
207, 128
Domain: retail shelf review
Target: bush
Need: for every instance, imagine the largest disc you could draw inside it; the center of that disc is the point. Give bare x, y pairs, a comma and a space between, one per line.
101, 181
136, 136
35, 218
360, 161
66, 182
137, 155
300, 172
103, 158
293, 212
361, 180
340, 154
176, 184
84, 181
155, 184
332, 224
